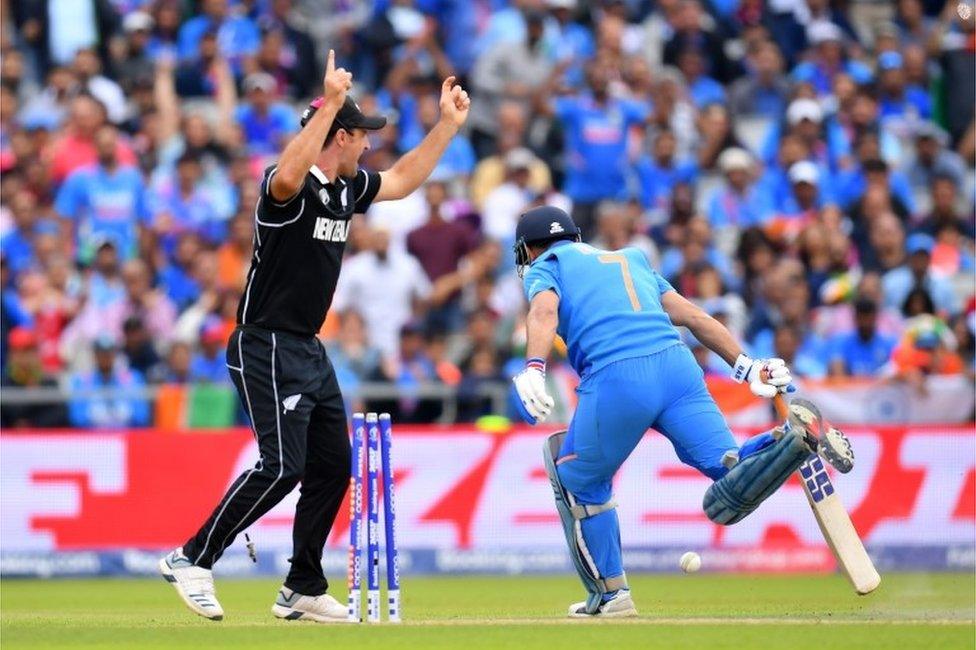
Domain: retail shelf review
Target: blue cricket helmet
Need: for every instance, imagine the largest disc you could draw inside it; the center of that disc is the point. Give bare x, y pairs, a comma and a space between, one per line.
542, 225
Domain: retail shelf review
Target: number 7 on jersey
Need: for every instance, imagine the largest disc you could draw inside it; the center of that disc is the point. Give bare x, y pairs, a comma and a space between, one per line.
621, 259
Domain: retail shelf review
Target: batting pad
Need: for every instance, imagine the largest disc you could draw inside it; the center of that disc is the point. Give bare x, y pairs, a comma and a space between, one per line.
754, 478
572, 514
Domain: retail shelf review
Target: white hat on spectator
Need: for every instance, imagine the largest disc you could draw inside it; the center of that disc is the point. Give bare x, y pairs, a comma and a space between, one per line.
804, 172
137, 21
561, 4
930, 130
824, 31
260, 81
804, 109
735, 158
519, 158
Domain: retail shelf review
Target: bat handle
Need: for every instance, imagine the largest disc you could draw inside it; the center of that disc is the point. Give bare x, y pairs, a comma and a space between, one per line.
782, 409
779, 402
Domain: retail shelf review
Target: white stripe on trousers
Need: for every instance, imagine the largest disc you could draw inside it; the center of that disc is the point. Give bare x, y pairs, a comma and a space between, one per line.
281, 458
250, 414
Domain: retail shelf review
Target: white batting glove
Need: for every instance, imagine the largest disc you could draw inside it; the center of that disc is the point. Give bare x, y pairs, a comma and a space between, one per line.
530, 384
766, 377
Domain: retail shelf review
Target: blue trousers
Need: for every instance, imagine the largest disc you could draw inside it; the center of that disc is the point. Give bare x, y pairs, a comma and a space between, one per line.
617, 405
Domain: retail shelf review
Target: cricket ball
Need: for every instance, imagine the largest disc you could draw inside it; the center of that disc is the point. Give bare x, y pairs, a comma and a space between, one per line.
690, 562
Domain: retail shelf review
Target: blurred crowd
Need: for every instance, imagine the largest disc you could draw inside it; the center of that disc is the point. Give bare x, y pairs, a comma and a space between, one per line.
803, 169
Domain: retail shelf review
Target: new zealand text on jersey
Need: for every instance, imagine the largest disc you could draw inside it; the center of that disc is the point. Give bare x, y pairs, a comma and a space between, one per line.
330, 229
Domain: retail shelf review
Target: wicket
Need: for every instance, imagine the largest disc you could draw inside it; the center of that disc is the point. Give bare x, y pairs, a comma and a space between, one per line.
372, 438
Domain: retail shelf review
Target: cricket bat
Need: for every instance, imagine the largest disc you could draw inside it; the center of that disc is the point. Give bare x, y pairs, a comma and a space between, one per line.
834, 522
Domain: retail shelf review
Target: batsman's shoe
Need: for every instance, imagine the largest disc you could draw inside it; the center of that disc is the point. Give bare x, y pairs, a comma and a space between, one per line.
836, 449
193, 583
804, 419
832, 445
620, 605
293, 606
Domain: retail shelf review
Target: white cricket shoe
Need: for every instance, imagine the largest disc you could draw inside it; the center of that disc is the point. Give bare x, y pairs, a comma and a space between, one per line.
620, 606
293, 606
193, 583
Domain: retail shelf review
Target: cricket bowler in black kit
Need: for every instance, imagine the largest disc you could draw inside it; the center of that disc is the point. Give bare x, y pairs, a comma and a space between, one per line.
284, 378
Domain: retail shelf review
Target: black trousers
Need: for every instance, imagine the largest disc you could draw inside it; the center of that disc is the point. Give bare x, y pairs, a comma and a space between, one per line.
289, 389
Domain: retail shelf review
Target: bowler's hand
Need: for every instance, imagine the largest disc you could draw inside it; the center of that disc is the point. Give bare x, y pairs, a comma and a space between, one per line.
454, 103
530, 384
337, 82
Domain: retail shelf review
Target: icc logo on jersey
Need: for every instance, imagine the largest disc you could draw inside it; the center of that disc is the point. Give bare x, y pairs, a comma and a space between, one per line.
330, 229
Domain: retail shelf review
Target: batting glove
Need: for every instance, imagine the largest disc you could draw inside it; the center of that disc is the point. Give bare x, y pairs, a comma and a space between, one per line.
766, 377
530, 384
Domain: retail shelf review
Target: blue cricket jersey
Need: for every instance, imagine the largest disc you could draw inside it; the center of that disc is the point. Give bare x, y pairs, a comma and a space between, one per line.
596, 145
609, 303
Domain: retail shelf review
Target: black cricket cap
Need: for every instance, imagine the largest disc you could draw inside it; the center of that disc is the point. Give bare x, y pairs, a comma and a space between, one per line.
349, 116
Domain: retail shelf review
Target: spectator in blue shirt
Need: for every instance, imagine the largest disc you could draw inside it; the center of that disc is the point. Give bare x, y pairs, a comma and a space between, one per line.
851, 185
899, 283
848, 128
739, 201
17, 245
801, 353
209, 364
933, 159
104, 200
180, 204
661, 171
162, 42
702, 89
177, 277
775, 181
864, 351
459, 157
825, 141
828, 59
764, 91
805, 196
596, 128
120, 403
506, 25
571, 42
195, 77
237, 36
694, 248
266, 122
459, 23
898, 99
414, 367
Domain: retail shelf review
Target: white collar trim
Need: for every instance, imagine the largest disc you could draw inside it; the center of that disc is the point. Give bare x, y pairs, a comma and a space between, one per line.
322, 178
319, 175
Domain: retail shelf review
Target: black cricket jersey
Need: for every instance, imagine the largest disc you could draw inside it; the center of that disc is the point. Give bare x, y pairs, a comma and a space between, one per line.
298, 247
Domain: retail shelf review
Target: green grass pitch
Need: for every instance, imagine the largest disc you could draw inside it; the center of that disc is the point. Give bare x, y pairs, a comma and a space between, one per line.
694, 611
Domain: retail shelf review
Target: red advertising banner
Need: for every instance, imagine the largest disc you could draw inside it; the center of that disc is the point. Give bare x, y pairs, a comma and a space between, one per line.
461, 489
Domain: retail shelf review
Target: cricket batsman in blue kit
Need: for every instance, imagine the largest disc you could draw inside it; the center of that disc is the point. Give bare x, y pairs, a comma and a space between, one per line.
618, 318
